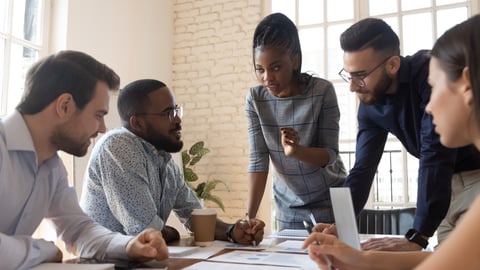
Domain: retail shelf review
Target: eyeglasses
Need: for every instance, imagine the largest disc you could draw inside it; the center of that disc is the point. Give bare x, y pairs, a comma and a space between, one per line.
171, 113
359, 79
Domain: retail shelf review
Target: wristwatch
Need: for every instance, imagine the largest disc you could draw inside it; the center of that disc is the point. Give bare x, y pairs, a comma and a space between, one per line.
229, 232
414, 236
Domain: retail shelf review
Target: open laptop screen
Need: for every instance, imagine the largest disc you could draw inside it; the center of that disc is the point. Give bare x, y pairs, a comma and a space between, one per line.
344, 214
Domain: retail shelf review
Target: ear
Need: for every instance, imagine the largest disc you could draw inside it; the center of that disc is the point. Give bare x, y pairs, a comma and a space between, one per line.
137, 124
393, 65
465, 86
296, 62
65, 105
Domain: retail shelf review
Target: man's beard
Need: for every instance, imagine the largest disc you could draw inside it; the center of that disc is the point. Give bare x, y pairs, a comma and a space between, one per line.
162, 142
67, 143
379, 92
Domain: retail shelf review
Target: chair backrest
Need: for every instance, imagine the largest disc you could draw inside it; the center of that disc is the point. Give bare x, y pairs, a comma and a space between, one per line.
390, 221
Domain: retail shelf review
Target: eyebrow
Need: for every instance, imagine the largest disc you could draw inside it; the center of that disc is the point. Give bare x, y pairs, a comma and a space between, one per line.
277, 62
104, 112
357, 73
170, 108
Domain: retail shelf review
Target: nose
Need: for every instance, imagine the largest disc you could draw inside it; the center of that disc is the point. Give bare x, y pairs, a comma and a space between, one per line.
266, 76
428, 108
353, 87
102, 128
177, 119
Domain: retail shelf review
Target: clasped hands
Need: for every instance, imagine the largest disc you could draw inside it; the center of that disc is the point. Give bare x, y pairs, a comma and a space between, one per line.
248, 232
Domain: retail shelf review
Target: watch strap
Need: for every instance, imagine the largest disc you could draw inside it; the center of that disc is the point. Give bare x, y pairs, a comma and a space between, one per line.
229, 233
414, 236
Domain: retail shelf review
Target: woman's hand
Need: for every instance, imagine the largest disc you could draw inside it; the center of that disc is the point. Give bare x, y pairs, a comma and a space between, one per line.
290, 140
330, 253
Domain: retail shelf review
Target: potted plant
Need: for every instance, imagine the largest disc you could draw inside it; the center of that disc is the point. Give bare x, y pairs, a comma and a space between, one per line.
204, 189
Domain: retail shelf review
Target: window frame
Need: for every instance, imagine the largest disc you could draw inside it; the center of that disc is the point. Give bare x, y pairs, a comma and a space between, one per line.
361, 11
10, 39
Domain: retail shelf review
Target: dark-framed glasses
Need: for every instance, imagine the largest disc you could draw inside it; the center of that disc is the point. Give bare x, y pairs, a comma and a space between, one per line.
358, 79
171, 113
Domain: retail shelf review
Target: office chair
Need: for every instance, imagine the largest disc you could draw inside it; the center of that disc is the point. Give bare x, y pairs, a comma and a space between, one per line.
390, 221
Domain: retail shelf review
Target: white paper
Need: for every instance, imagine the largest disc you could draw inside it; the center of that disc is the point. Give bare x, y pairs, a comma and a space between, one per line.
267, 258
180, 252
72, 266
290, 246
266, 243
223, 266
291, 234
203, 252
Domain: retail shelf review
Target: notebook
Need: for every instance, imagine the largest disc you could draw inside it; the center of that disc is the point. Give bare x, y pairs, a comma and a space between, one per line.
344, 214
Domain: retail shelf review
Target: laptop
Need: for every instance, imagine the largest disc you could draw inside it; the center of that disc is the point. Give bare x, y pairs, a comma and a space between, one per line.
344, 214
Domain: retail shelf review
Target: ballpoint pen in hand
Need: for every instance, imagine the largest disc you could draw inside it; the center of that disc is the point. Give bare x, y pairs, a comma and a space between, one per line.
309, 228
247, 217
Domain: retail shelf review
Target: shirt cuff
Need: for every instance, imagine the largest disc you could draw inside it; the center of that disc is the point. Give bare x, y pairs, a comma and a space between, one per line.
117, 248
332, 156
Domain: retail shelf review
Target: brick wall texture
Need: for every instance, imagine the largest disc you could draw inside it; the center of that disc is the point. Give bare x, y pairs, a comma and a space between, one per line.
212, 72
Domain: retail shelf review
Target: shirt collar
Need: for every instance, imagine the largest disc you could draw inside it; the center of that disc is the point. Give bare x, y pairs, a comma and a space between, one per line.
17, 134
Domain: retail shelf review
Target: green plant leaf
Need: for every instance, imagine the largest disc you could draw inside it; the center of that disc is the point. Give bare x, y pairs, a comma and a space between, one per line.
210, 185
196, 148
199, 190
202, 190
195, 159
216, 200
185, 158
190, 175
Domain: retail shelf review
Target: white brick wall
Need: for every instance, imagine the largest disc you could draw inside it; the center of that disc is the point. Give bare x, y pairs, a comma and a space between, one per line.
212, 72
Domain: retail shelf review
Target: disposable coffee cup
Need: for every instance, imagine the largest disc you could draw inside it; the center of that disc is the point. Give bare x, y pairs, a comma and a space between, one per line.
203, 226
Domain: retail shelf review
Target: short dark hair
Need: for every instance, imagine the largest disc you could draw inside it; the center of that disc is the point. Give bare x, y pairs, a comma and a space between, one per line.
133, 98
457, 48
71, 72
278, 31
370, 33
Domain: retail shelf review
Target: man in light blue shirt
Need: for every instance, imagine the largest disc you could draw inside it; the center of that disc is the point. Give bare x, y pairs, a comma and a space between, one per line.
63, 108
132, 182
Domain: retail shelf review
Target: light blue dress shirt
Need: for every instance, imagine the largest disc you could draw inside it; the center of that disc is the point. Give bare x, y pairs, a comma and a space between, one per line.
130, 185
29, 193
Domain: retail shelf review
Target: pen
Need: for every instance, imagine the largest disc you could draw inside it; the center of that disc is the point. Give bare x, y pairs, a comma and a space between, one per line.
247, 217
312, 218
309, 228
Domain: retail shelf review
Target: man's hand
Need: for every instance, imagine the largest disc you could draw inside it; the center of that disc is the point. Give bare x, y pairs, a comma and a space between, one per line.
148, 245
390, 244
245, 234
290, 140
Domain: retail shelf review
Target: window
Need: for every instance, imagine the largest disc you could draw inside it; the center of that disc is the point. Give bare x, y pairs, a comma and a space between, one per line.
417, 23
22, 38
22, 35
